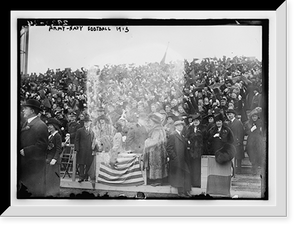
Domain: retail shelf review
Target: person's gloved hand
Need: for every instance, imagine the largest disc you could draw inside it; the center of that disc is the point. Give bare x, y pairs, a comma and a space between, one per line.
253, 128
217, 135
52, 162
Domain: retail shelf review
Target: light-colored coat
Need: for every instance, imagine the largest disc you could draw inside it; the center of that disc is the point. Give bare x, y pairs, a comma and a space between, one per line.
135, 140
155, 156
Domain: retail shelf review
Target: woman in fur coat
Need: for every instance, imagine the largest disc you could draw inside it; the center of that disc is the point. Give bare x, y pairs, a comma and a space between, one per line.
195, 134
155, 155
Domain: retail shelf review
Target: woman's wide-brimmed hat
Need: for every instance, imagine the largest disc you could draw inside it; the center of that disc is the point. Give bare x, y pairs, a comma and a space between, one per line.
156, 119
219, 117
196, 117
255, 111
33, 103
209, 116
53, 121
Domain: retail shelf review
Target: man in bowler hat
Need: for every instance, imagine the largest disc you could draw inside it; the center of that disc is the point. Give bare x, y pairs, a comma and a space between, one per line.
33, 150
179, 173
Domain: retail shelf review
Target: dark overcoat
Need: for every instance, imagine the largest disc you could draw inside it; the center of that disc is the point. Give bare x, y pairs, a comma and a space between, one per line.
72, 128
32, 166
179, 173
195, 135
215, 143
195, 141
53, 171
54, 148
83, 146
255, 142
237, 129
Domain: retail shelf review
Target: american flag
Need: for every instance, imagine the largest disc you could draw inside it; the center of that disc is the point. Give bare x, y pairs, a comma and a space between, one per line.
126, 172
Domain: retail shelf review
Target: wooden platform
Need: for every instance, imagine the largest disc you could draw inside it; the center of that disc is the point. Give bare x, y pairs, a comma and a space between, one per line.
242, 186
167, 189
65, 183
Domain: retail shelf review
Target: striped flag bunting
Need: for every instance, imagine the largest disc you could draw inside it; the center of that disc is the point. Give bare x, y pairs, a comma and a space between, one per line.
127, 172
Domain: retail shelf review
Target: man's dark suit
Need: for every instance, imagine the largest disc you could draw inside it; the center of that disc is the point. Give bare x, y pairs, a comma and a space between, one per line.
32, 166
237, 129
179, 174
83, 147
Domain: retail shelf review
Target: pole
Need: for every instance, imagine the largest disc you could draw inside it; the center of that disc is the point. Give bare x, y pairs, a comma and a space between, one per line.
24, 40
26, 49
74, 164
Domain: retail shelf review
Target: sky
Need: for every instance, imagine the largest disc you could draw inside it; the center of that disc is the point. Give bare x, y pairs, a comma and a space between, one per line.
140, 44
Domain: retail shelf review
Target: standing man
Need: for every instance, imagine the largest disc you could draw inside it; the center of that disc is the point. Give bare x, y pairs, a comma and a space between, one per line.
33, 150
237, 129
83, 147
72, 127
179, 175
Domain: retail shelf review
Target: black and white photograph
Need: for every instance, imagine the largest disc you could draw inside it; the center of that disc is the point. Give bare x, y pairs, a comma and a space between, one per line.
130, 114
142, 109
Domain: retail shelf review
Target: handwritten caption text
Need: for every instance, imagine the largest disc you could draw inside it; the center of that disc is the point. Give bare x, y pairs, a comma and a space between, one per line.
124, 29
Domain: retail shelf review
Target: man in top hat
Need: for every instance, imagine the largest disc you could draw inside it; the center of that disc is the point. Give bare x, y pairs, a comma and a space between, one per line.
179, 173
83, 146
237, 129
33, 150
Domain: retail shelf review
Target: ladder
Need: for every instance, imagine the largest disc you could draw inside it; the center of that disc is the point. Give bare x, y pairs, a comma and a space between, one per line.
68, 161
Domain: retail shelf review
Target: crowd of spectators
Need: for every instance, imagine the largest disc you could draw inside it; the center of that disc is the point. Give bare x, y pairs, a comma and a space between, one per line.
62, 94
176, 91
127, 92
216, 85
